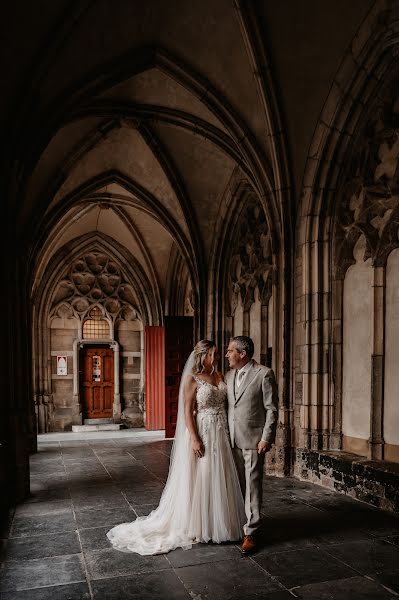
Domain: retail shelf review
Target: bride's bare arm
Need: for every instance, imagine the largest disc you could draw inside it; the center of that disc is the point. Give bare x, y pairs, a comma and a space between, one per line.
190, 389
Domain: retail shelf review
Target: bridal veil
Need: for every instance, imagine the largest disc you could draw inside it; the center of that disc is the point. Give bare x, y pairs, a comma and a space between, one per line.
166, 527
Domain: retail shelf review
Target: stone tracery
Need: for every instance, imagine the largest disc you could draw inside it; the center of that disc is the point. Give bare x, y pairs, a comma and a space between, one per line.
95, 279
251, 260
370, 203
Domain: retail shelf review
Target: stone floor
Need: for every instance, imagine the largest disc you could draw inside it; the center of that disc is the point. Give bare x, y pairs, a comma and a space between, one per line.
316, 545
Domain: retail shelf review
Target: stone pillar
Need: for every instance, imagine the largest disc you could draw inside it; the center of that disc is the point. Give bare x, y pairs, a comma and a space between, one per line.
117, 398
336, 365
77, 407
142, 399
376, 441
264, 335
245, 322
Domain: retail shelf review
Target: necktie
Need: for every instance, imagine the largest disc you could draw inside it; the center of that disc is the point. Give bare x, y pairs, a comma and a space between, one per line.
240, 377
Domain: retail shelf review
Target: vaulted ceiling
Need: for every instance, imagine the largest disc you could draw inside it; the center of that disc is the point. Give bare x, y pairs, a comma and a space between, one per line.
137, 119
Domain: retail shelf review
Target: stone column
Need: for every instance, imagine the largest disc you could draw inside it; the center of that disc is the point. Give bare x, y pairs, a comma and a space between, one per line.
117, 398
264, 334
336, 364
77, 408
245, 321
376, 441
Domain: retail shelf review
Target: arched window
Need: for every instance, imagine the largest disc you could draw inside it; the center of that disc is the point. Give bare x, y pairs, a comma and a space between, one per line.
95, 326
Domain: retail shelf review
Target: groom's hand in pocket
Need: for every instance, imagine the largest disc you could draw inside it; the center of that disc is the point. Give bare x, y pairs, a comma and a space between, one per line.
263, 447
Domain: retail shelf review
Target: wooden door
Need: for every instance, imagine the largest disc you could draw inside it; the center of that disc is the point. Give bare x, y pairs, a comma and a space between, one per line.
97, 382
154, 348
178, 346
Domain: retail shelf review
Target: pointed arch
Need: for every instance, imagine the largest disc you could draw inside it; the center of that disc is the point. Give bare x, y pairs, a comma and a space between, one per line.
331, 219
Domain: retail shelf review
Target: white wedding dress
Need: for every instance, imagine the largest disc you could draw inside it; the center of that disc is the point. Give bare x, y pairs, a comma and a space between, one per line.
202, 499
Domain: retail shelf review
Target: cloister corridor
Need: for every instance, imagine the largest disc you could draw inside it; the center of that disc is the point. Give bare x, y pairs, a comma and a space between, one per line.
181, 171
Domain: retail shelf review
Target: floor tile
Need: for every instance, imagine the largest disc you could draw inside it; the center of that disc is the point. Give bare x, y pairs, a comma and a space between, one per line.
50, 480
148, 586
356, 588
113, 563
233, 579
203, 553
94, 538
280, 539
77, 480
293, 512
389, 578
46, 458
101, 443
40, 524
383, 528
46, 507
365, 556
40, 493
116, 501
27, 574
72, 591
339, 535
47, 469
146, 496
300, 567
104, 516
111, 451
81, 492
43, 546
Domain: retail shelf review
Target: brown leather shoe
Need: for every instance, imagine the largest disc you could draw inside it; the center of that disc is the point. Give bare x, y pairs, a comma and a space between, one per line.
248, 544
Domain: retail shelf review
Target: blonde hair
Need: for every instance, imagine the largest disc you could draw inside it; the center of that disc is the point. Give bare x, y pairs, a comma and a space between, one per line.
201, 349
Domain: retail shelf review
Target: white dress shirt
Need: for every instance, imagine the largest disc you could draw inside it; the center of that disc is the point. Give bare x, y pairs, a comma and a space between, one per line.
240, 375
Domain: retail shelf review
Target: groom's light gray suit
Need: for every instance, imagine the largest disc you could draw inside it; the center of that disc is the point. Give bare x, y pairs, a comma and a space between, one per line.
252, 415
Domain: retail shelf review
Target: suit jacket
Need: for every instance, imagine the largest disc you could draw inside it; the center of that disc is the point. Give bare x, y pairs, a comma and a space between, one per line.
253, 409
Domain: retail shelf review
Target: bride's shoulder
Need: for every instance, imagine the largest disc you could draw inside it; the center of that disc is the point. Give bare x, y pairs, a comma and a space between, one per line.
189, 380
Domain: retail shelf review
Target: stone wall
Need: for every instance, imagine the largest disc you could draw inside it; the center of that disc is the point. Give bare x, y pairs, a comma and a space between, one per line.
129, 335
371, 481
63, 333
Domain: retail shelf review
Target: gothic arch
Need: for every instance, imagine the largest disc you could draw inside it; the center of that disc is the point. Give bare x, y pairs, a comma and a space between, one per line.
99, 273
246, 269
347, 193
59, 218
179, 289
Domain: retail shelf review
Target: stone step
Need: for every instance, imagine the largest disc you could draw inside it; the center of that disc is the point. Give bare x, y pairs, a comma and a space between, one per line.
104, 427
106, 421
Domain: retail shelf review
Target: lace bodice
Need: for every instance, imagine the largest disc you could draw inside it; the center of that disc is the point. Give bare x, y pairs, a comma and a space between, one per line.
211, 398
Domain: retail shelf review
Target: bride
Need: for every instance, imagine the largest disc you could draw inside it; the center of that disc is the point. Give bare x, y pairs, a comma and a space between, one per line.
202, 500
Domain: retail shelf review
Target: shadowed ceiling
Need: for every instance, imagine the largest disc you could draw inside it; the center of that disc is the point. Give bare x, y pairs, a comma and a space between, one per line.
140, 117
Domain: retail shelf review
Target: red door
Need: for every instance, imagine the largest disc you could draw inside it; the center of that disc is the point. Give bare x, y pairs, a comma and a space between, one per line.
178, 346
154, 348
97, 382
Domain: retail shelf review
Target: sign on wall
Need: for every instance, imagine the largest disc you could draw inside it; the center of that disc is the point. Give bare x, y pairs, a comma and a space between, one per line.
62, 365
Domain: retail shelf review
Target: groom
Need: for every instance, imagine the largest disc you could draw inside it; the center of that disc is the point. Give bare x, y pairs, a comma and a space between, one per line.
252, 413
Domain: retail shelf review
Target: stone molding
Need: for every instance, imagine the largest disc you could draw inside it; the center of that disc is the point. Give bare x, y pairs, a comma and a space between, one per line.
94, 279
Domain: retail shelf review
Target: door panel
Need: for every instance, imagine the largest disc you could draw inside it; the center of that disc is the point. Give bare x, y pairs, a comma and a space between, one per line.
154, 346
97, 382
178, 346
108, 367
